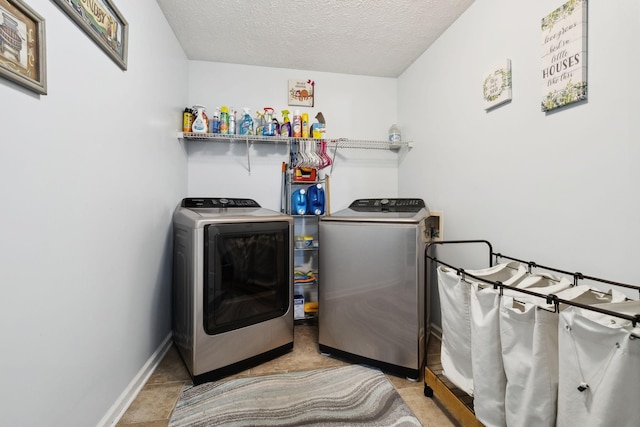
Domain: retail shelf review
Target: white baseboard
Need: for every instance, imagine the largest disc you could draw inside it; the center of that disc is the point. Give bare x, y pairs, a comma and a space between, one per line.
129, 394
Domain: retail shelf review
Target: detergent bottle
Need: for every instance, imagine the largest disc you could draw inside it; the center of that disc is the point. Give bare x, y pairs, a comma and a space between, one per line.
200, 121
285, 127
315, 199
246, 125
299, 202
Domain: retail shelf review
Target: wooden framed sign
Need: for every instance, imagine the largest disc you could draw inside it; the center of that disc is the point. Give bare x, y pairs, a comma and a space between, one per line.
564, 55
302, 92
103, 23
22, 46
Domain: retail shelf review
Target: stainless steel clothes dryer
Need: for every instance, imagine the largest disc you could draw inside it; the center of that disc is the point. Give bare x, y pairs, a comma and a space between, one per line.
232, 285
372, 289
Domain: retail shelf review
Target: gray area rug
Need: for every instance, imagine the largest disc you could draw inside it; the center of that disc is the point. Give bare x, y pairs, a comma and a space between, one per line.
342, 396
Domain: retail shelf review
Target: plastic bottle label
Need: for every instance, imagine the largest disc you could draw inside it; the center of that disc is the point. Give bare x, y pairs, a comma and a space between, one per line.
297, 127
269, 129
224, 123
246, 127
187, 121
198, 125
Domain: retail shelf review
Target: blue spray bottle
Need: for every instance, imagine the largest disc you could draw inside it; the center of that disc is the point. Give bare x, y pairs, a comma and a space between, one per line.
246, 124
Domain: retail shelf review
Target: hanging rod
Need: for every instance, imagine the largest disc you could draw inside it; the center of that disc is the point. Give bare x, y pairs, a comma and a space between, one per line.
576, 275
550, 298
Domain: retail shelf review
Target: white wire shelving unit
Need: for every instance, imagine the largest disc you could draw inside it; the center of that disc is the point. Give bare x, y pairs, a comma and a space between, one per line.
334, 144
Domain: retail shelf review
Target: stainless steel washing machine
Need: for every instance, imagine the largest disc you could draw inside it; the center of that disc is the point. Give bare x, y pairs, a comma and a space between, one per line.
372, 285
232, 285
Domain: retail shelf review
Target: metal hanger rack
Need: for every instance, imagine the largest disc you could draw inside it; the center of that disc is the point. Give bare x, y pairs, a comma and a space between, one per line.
459, 404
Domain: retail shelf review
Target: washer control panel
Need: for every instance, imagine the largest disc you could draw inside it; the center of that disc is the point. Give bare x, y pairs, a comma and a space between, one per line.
391, 205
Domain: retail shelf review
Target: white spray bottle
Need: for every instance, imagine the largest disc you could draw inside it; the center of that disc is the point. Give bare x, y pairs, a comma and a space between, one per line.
199, 122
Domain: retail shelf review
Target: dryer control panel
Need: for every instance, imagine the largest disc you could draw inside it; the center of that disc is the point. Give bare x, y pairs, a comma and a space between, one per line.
218, 202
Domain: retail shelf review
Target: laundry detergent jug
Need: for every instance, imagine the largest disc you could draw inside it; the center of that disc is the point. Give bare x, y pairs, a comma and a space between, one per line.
299, 202
315, 199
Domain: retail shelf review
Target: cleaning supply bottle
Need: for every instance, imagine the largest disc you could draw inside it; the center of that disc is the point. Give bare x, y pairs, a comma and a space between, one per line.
285, 127
259, 123
232, 121
315, 200
187, 120
246, 125
299, 202
318, 128
297, 124
394, 134
199, 122
269, 128
224, 120
305, 125
215, 121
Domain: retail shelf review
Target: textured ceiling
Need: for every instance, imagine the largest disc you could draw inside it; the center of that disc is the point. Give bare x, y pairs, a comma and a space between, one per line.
366, 37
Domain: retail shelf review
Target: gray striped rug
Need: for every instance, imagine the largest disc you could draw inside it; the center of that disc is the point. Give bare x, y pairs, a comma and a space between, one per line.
351, 395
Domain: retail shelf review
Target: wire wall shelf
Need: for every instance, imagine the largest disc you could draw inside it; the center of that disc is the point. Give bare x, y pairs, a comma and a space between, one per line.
335, 143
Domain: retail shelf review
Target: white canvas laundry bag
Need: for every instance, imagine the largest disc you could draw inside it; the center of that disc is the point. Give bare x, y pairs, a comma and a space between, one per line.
489, 379
454, 291
599, 367
529, 338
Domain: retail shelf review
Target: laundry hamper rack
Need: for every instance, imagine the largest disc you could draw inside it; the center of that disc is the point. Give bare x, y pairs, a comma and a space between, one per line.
458, 403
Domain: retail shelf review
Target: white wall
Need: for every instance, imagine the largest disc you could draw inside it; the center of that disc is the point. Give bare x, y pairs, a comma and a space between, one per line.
357, 107
89, 177
559, 188
91, 172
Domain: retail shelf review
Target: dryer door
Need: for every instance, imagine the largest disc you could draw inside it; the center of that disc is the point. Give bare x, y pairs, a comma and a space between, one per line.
247, 277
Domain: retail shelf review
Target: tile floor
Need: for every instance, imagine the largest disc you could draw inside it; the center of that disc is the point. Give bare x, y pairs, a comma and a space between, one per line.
155, 402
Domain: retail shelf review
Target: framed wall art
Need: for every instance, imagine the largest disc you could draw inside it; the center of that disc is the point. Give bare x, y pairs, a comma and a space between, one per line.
496, 87
302, 92
103, 23
22, 46
564, 55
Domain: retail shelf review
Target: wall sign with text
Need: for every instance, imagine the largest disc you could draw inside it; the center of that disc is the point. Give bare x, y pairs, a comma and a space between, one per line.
564, 55
302, 92
497, 85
